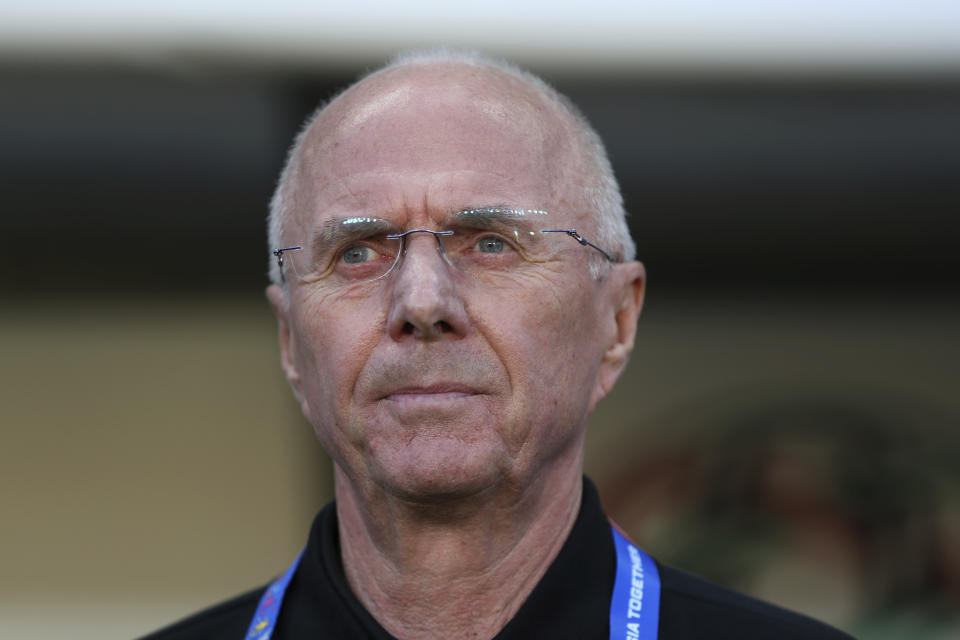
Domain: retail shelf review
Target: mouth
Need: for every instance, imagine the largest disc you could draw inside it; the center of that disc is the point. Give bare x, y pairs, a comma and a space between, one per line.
439, 392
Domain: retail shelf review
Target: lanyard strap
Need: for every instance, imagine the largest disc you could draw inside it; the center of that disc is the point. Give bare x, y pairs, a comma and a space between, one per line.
634, 608
265, 619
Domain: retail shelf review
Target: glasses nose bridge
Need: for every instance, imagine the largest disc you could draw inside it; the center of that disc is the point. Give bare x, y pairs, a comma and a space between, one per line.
405, 239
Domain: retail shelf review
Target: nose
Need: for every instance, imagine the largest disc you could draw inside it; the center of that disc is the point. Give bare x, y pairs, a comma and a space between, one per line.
425, 302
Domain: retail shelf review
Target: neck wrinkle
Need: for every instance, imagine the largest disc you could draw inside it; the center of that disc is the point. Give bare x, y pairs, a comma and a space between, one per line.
464, 576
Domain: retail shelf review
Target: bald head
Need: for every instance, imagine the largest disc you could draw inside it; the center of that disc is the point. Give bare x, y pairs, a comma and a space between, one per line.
442, 114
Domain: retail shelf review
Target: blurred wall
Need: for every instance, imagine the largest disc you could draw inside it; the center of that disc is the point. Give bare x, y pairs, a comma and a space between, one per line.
788, 424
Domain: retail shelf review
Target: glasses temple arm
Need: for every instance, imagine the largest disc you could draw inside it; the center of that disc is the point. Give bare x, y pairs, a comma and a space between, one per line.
579, 238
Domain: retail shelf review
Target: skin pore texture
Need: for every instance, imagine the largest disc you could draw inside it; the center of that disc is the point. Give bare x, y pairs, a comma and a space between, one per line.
453, 406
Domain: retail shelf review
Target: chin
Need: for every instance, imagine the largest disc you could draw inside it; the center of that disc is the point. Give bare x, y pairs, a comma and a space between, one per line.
438, 470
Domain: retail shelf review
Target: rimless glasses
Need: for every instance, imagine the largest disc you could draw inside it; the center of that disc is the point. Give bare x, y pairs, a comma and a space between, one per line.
477, 241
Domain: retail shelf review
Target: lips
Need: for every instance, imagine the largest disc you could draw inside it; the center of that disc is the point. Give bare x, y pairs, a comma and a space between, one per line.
430, 392
434, 371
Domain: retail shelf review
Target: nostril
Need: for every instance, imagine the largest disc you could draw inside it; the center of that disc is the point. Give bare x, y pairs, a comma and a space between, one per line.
438, 328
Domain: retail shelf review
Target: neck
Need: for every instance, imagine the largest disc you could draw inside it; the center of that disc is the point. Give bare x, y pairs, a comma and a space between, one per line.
462, 570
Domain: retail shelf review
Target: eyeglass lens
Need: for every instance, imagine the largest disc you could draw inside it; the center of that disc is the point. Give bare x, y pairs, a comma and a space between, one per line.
475, 241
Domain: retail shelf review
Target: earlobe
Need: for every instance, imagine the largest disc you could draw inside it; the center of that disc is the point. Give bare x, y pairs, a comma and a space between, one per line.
627, 302
280, 304
628, 311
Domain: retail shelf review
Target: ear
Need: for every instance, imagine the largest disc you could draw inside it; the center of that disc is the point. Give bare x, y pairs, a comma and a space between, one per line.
279, 300
628, 284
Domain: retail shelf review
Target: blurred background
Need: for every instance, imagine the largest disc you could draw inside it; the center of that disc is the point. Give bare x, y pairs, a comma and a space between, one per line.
788, 425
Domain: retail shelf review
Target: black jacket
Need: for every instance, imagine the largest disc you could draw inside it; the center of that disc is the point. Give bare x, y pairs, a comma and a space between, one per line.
572, 601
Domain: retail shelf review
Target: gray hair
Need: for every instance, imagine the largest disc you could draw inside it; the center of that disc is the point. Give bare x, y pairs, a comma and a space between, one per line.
602, 195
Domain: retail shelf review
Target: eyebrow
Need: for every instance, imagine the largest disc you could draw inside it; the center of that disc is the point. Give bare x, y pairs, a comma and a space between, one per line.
497, 217
335, 231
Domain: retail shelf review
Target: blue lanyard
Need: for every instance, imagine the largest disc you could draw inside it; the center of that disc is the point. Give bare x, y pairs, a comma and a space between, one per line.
265, 619
634, 608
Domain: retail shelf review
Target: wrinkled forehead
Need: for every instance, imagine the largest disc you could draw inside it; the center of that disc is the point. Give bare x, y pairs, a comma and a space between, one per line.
437, 103
452, 135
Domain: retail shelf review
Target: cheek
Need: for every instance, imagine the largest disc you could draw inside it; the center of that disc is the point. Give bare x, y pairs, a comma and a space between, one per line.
564, 359
554, 326
333, 343
540, 340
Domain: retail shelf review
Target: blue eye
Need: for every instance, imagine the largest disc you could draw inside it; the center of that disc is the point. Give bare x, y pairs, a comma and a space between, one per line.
358, 254
490, 244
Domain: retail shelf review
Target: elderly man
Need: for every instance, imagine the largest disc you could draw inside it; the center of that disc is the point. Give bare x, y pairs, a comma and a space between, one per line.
455, 289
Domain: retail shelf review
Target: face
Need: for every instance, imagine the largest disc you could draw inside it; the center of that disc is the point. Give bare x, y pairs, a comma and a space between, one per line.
432, 382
